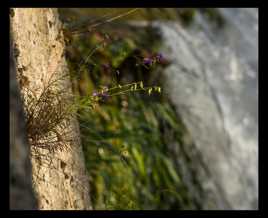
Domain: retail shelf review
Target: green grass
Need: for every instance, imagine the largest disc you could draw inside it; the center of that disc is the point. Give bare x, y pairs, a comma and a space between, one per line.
127, 156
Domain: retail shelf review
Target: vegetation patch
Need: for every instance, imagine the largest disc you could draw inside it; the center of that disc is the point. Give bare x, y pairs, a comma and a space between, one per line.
125, 136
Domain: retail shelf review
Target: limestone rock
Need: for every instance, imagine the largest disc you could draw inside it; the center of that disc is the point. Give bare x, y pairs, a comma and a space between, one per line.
60, 178
214, 86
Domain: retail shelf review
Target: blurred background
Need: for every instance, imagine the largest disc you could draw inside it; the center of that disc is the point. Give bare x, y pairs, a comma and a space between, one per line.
193, 146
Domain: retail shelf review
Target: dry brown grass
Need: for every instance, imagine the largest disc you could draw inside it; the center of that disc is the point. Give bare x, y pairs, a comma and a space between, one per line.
48, 117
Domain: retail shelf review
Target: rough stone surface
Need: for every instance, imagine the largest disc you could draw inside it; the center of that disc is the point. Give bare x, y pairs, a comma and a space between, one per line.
21, 192
38, 40
214, 86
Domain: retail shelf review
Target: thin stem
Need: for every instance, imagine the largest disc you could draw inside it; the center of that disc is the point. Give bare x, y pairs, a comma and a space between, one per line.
90, 28
119, 93
91, 52
125, 85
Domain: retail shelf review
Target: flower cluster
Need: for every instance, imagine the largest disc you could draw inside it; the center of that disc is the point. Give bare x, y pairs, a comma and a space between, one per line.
103, 94
156, 58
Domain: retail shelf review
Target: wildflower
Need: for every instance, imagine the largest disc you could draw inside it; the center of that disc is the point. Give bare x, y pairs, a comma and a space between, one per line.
141, 84
150, 91
104, 89
147, 61
101, 151
125, 153
95, 94
159, 57
104, 93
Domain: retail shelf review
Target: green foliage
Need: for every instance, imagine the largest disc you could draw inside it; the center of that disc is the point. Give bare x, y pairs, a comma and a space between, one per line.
125, 124
127, 149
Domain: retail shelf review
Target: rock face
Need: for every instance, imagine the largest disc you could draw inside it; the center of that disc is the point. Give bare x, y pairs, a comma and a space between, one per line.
60, 178
213, 83
21, 192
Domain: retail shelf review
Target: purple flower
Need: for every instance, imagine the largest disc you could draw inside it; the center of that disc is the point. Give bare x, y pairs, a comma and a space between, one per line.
104, 96
95, 94
147, 61
159, 57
